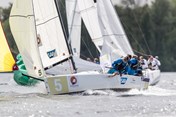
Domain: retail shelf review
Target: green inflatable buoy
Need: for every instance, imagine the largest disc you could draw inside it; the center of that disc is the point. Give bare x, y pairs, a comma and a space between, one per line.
19, 70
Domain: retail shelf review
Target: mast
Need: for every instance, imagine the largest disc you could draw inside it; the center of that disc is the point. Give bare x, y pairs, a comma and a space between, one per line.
70, 50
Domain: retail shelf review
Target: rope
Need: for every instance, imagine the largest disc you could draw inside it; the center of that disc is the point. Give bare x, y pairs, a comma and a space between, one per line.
132, 36
88, 48
143, 54
140, 29
141, 32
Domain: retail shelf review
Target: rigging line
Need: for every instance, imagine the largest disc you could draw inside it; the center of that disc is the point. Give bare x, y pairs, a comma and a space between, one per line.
83, 56
132, 36
141, 53
87, 48
22, 16
141, 32
65, 35
108, 35
89, 22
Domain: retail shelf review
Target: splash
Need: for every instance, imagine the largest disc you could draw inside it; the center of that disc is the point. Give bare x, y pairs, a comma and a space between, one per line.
12, 87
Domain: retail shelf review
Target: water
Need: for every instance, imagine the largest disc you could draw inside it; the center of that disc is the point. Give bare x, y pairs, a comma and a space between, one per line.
159, 100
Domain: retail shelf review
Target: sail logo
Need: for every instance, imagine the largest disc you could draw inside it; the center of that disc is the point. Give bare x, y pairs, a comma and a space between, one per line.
52, 53
123, 80
73, 81
39, 42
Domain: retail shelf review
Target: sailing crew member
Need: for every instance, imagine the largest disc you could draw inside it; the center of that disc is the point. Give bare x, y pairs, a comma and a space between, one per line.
133, 68
120, 66
152, 63
18, 69
88, 59
157, 62
96, 61
143, 62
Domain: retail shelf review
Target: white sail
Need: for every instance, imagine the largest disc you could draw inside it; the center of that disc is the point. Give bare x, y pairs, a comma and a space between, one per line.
23, 30
51, 39
74, 26
89, 15
115, 37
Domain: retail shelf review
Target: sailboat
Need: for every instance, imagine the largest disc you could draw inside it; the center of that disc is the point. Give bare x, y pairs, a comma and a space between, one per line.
39, 34
105, 30
6, 59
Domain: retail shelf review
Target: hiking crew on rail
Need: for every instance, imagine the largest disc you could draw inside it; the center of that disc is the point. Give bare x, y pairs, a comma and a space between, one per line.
133, 65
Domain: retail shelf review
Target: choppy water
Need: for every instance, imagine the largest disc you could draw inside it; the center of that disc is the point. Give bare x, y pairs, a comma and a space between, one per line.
159, 100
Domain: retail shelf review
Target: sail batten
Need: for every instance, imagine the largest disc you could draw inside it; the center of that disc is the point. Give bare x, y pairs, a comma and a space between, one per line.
47, 21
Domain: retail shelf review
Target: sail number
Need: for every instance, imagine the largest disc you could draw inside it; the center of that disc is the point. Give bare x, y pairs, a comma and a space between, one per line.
58, 85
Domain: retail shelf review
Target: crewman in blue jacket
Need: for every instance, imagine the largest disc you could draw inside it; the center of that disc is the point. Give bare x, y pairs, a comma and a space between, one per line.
120, 66
133, 68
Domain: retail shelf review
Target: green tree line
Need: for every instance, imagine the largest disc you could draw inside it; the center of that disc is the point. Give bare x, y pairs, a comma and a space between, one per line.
151, 30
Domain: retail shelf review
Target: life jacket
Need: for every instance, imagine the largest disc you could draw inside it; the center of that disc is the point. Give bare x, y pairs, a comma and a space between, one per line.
134, 63
120, 65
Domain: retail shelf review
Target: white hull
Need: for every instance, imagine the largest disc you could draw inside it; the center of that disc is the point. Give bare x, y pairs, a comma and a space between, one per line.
5, 77
81, 82
153, 75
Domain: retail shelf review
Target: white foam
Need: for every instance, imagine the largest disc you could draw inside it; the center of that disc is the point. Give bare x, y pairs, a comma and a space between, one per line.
12, 86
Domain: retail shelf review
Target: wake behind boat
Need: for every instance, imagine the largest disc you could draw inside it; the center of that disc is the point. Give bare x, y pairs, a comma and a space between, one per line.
153, 75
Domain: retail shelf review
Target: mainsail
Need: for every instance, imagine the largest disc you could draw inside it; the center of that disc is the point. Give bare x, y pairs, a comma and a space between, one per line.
104, 27
6, 59
41, 42
89, 15
51, 39
115, 39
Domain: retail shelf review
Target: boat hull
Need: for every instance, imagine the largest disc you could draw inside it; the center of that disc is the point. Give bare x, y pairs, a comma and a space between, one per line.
153, 75
81, 82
